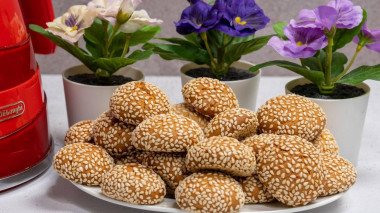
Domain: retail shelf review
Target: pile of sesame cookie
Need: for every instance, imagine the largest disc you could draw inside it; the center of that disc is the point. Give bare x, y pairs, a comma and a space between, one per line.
207, 153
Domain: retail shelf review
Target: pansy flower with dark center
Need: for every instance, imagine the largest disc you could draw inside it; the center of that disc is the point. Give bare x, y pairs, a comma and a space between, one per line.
369, 38
304, 42
197, 18
240, 17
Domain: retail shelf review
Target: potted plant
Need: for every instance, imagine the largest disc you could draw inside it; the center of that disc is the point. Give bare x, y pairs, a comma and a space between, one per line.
315, 41
216, 35
109, 29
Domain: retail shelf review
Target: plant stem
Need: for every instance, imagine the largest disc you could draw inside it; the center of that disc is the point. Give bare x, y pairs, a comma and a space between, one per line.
109, 42
328, 61
76, 44
126, 45
320, 63
105, 26
302, 62
358, 49
204, 38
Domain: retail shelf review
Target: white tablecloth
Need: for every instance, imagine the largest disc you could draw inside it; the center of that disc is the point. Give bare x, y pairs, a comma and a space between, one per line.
51, 193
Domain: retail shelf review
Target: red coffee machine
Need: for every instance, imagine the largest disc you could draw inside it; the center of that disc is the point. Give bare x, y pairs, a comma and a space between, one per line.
25, 143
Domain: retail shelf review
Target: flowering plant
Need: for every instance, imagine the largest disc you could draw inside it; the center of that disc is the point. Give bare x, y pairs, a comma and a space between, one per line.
109, 29
315, 40
216, 34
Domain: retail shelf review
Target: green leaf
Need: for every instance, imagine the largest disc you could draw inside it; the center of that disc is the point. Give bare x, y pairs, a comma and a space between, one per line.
345, 36
111, 65
279, 29
337, 65
314, 76
144, 35
194, 38
81, 55
139, 55
361, 74
95, 38
179, 41
186, 53
235, 51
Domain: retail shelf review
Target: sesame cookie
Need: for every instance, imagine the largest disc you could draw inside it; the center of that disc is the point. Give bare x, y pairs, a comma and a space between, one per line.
236, 123
326, 143
133, 183
80, 132
208, 192
170, 166
259, 142
339, 174
292, 115
83, 163
113, 135
167, 133
222, 154
130, 158
291, 170
209, 96
254, 190
136, 101
188, 112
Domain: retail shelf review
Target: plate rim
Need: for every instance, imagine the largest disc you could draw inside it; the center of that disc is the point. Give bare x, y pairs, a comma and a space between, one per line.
166, 204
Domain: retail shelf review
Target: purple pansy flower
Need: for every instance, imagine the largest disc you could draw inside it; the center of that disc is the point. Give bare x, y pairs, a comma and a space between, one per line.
197, 18
304, 42
193, 1
371, 36
240, 17
341, 13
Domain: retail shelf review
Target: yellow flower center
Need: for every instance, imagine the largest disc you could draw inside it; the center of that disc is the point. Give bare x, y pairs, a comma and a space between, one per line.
74, 28
299, 43
238, 20
199, 25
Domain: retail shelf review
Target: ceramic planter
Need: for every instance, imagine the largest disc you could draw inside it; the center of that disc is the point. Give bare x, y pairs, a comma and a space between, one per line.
87, 102
345, 119
245, 90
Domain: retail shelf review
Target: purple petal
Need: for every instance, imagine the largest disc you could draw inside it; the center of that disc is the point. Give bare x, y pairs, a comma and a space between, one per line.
304, 24
349, 16
290, 49
306, 14
326, 16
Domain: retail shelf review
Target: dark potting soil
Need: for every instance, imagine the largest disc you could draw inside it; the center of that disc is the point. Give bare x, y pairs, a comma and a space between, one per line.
342, 91
90, 79
233, 74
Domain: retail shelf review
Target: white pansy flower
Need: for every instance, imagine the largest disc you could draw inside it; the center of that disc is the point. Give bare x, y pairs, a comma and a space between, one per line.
138, 19
107, 9
70, 26
129, 6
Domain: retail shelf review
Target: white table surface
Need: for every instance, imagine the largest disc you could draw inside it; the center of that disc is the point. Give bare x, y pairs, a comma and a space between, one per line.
51, 193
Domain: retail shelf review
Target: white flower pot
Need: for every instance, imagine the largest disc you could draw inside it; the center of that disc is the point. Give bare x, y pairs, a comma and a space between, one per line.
245, 90
345, 119
87, 102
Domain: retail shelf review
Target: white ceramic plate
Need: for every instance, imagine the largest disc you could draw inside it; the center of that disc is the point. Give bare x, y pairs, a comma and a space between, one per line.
169, 205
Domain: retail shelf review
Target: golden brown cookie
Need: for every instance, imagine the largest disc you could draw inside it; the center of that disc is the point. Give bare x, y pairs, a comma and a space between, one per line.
83, 163
236, 123
209, 96
133, 183
113, 135
170, 166
208, 192
222, 154
254, 190
136, 101
326, 143
339, 174
259, 142
167, 133
188, 112
80, 132
291, 170
292, 115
